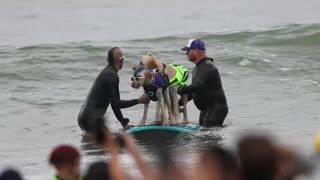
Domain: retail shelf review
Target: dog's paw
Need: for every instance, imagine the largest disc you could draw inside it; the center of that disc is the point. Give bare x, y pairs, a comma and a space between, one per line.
173, 124
156, 123
142, 123
185, 121
164, 123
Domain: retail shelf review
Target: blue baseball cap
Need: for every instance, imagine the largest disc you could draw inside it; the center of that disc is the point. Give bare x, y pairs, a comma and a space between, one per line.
194, 44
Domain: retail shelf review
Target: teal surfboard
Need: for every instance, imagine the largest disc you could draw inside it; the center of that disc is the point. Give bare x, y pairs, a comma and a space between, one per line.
151, 134
174, 129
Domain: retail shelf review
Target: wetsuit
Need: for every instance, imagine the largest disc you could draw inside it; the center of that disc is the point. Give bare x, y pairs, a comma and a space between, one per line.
104, 90
207, 93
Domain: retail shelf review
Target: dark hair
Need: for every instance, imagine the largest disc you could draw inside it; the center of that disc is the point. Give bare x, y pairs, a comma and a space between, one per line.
10, 174
110, 57
257, 156
98, 171
63, 154
226, 158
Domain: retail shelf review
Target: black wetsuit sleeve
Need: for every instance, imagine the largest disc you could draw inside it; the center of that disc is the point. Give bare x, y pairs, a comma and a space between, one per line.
199, 83
116, 103
190, 97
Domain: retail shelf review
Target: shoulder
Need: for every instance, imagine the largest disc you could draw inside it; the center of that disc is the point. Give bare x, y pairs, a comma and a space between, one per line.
209, 61
108, 74
207, 65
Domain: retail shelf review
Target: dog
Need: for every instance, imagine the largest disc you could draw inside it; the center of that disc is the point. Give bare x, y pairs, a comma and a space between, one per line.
178, 77
155, 86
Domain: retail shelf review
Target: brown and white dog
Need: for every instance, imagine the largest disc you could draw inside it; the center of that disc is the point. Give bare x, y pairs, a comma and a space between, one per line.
172, 71
155, 86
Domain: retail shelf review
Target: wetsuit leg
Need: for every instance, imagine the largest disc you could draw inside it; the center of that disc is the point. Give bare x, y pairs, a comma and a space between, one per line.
88, 119
202, 116
213, 116
83, 121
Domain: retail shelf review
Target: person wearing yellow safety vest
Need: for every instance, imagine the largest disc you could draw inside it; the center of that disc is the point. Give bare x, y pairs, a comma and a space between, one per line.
66, 160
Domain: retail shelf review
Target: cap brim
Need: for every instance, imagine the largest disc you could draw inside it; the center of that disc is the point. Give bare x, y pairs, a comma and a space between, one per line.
185, 48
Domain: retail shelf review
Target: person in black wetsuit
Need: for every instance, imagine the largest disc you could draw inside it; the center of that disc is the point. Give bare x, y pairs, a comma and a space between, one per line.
206, 88
104, 91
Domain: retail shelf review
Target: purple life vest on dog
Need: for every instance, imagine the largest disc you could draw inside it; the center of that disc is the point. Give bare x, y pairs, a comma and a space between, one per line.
160, 80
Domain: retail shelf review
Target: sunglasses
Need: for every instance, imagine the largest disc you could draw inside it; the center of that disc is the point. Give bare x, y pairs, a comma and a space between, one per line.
136, 78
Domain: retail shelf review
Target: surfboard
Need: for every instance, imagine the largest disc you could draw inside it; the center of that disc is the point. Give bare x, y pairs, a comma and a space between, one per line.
151, 134
176, 129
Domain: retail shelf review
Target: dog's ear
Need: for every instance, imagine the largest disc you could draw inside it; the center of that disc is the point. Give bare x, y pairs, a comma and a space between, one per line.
134, 67
153, 63
148, 74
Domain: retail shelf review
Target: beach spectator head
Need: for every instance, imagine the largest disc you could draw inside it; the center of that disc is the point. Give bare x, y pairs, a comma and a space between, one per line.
66, 160
10, 174
217, 163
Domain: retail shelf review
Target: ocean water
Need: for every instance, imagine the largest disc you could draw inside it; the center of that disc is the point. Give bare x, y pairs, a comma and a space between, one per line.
267, 53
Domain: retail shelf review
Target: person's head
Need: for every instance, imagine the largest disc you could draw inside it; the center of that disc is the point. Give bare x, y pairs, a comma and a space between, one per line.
217, 163
258, 157
115, 58
66, 160
98, 171
168, 168
195, 50
10, 174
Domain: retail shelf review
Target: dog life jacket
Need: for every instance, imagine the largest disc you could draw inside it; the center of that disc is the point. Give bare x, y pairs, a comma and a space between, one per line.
181, 76
160, 80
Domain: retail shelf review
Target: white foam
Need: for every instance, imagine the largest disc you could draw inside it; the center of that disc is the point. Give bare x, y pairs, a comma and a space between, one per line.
253, 53
310, 81
266, 60
283, 79
285, 69
244, 62
258, 50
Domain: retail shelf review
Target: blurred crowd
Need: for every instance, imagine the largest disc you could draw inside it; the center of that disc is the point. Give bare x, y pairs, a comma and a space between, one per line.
255, 157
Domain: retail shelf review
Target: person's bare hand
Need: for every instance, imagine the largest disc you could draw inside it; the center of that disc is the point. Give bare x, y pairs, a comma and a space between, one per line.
144, 99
